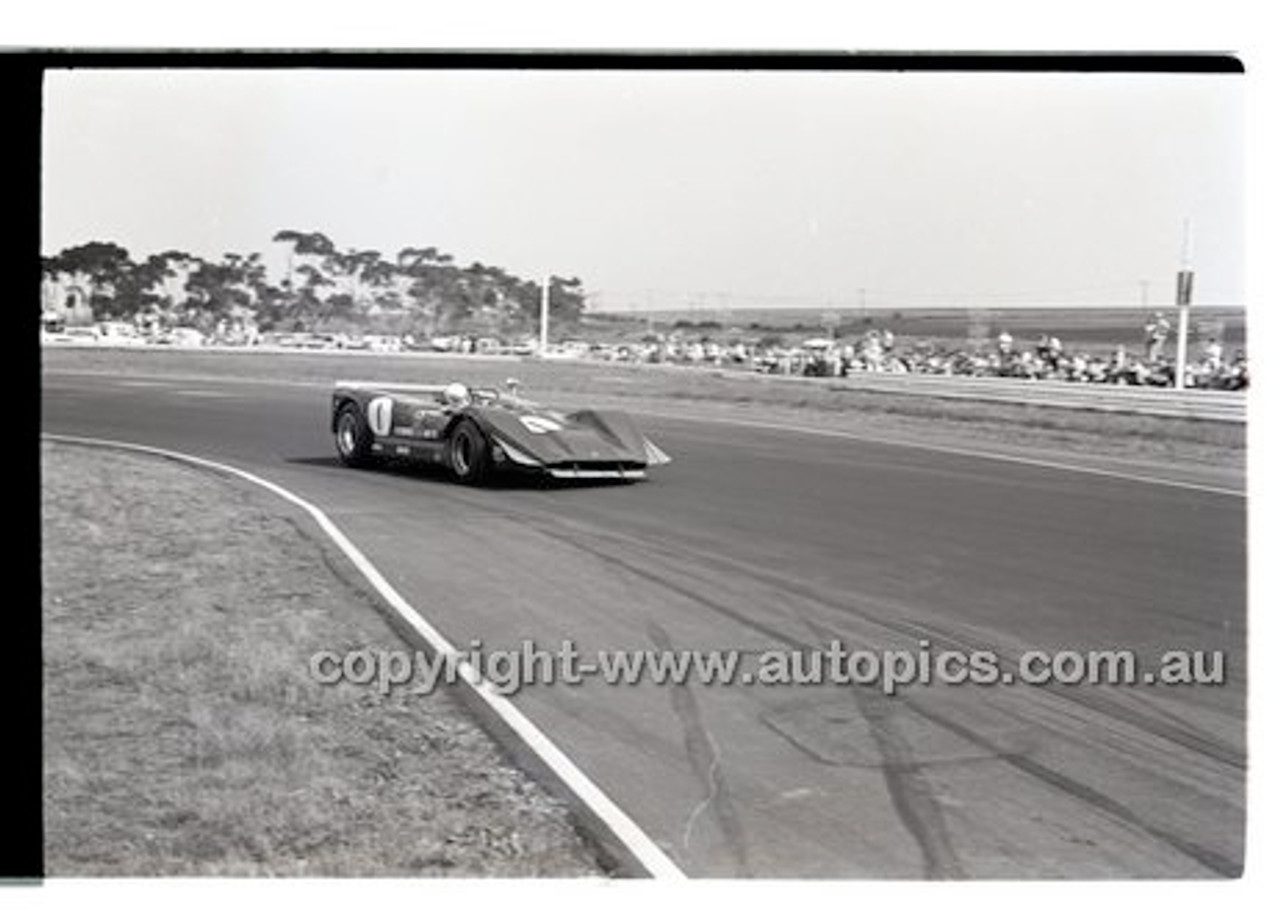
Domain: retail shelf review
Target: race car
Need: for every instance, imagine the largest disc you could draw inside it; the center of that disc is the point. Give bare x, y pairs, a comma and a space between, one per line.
476, 432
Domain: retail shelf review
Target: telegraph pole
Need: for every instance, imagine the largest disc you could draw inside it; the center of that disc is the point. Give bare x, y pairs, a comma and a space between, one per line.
1186, 276
545, 318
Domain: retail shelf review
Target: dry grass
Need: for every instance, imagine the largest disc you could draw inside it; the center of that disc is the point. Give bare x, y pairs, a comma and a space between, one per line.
183, 735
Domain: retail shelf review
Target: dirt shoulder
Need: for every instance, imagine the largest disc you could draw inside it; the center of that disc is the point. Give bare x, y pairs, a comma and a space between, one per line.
183, 735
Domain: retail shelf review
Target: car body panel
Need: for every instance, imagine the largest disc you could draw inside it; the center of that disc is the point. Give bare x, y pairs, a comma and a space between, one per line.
416, 422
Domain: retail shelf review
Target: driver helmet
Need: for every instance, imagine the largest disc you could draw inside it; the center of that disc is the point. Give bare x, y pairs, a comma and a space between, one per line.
456, 394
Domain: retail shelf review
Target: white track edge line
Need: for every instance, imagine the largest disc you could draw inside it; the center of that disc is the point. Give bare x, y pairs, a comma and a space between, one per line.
950, 450
649, 855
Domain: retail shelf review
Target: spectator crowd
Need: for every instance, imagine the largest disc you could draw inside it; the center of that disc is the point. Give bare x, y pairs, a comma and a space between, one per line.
880, 351
872, 351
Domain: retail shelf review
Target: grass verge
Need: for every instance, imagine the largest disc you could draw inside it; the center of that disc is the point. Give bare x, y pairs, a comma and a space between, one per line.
183, 735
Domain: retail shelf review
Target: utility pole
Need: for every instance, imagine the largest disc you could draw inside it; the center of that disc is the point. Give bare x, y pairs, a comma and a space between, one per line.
1185, 279
545, 316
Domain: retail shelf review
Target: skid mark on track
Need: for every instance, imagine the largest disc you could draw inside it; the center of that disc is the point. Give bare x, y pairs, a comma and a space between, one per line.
1209, 858
921, 820
1164, 726
909, 789
1152, 720
705, 759
912, 796
842, 607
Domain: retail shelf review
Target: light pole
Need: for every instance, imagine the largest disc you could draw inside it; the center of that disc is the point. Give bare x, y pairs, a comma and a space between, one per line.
545, 316
1186, 277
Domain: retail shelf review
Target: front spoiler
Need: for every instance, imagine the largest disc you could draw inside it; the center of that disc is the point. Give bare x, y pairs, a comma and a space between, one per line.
508, 455
598, 474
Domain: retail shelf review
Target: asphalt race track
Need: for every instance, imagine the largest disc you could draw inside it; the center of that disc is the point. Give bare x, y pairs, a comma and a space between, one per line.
757, 540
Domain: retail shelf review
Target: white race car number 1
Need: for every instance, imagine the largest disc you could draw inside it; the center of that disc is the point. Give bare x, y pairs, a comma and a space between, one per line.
379, 413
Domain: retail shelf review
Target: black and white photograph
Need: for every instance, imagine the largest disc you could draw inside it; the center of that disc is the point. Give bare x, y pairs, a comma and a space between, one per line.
562, 466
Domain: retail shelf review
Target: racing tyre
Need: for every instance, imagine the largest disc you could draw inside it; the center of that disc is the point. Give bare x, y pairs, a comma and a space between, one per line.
353, 438
468, 453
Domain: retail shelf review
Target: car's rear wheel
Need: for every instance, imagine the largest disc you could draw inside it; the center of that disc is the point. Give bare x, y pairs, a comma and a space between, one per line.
353, 438
468, 453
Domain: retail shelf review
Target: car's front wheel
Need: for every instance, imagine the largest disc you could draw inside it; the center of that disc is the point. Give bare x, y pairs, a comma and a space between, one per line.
353, 438
468, 453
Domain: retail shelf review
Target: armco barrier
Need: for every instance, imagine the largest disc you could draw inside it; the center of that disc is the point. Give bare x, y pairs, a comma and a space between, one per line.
1223, 406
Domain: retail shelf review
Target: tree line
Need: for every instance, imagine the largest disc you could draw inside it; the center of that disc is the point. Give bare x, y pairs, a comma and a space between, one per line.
324, 288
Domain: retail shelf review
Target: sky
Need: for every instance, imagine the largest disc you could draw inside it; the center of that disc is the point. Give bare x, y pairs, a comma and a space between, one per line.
679, 189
